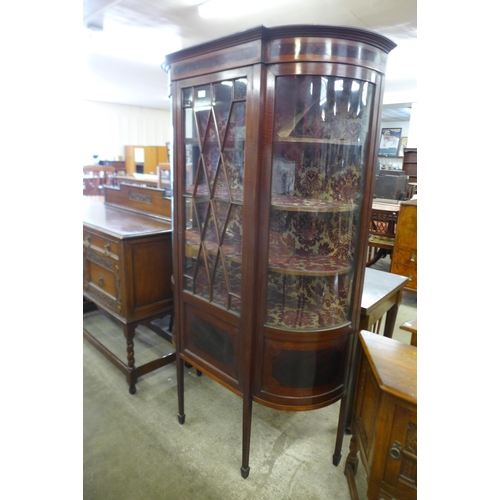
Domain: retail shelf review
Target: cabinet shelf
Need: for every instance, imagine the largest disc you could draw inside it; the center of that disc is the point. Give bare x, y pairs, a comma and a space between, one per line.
202, 193
295, 204
302, 316
280, 260
316, 265
313, 140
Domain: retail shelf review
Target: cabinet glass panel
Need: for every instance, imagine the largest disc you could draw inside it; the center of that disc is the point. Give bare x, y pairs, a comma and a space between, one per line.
214, 135
318, 173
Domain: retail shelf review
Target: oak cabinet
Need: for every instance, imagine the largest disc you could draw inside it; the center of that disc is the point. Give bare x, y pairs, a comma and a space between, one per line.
384, 427
274, 148
404, 256
144, 159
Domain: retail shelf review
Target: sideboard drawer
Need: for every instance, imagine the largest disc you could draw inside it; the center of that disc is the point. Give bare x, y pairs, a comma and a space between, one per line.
101, 279
101, 244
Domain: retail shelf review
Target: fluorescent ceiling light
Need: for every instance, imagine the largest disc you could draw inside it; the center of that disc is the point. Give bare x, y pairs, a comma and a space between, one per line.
144, 45
234, 8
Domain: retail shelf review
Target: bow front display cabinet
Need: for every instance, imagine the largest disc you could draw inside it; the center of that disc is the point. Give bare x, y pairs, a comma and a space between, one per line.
275, 138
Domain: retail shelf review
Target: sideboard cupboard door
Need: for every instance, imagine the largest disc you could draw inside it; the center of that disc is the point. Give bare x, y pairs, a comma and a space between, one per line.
275, 142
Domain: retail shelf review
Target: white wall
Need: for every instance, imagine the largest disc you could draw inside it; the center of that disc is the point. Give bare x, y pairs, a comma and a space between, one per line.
107, 128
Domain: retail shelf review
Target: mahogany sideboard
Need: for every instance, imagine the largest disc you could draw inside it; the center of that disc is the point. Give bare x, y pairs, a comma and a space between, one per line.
384, 427
127, 266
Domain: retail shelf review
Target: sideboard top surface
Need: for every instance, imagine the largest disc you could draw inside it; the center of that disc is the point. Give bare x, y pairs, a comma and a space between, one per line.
393, 363
120, 222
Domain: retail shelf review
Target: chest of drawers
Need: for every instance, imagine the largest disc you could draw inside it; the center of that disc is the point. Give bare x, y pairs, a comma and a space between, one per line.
127, 266
384, 426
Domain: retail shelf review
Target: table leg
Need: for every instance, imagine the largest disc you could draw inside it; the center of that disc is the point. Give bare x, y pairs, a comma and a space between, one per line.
390, 318
129, 332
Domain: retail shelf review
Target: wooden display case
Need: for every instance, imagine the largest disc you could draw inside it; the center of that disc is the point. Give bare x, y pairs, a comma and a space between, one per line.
276, 135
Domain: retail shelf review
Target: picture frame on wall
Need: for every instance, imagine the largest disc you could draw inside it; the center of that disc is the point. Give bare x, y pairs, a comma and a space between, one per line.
402, 145
389, 141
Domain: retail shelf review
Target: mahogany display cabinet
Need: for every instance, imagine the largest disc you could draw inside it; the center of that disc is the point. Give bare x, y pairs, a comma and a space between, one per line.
275, 140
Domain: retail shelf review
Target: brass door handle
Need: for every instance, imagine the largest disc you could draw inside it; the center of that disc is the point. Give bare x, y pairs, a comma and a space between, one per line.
395, 451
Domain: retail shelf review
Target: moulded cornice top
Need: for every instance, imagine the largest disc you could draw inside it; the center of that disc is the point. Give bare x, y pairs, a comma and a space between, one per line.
285, 31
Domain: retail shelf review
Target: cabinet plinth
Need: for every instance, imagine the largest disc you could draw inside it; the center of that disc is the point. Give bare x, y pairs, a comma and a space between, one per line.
274, 167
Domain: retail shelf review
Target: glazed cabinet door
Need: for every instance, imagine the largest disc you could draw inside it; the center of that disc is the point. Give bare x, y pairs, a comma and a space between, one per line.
319, 162
211, 187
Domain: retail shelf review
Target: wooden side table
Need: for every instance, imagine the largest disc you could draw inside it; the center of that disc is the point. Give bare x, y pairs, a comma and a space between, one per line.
382, 295
384, 426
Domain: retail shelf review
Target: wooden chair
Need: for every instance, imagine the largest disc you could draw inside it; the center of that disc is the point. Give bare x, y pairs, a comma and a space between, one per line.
163, 173
96, 176
382, 231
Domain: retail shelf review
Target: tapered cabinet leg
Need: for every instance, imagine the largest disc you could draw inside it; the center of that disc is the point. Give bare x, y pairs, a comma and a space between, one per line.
247, 425
340, 431
180, 389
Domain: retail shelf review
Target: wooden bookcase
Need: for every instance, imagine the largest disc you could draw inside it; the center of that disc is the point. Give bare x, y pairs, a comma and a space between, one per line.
153, 155
410, 163
276, 135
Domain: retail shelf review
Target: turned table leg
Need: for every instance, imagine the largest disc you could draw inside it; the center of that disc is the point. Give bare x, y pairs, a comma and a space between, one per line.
129, 332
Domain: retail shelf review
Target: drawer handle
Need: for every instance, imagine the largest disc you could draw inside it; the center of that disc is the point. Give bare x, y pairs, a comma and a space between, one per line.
395, 451
410, 278
87, 241
107, 249
412, 258
101, 281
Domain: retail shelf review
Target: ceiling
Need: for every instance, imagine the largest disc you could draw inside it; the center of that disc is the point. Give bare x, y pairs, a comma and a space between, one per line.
125, 41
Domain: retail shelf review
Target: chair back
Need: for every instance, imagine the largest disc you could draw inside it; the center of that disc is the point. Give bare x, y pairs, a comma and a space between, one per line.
163, 173
96, 176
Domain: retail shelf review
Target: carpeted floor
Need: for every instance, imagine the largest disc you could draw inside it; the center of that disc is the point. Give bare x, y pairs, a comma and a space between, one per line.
135, 449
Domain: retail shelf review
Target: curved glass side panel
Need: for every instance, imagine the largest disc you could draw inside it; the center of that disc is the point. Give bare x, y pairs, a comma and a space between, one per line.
318, 173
